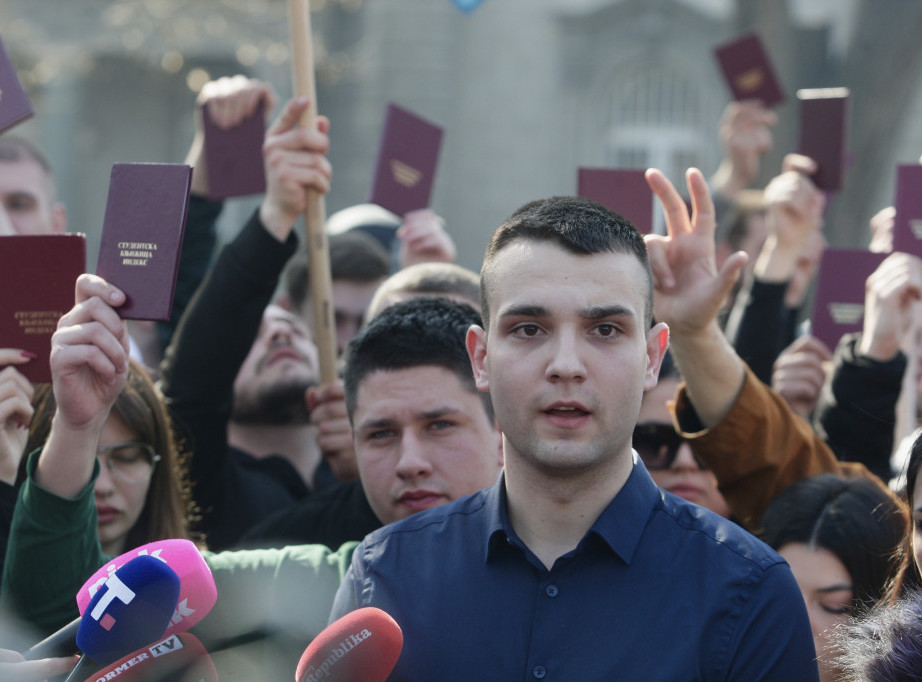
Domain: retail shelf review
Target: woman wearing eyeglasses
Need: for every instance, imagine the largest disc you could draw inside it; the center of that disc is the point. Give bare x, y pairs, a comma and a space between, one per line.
141, 493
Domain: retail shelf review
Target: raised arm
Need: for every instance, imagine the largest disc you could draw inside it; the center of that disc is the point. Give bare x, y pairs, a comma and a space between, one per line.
689, 293
857, 409
89, 367
746, 434
745, 132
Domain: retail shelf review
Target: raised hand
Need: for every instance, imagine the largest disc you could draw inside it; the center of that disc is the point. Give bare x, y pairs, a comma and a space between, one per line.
800, 372
689, 288
229, 101
891, 307
327, 405
423, 239
745, 132
295, 165
89, 367
15, 412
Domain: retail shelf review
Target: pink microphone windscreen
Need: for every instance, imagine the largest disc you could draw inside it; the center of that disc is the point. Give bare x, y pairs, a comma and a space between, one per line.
197, 593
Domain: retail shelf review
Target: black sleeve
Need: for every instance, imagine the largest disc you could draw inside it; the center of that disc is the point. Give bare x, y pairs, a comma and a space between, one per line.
8, 494
332, 517
198, 244
211, 342
759, 326
857, 407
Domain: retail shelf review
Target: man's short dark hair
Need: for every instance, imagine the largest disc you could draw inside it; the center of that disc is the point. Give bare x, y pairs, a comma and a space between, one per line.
420, 332
354, 256
579, 226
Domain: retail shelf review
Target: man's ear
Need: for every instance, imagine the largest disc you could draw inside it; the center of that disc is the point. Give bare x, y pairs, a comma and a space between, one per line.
657, 343
476, 342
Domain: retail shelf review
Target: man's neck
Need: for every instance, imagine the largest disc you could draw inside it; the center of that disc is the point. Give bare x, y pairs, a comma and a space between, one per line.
552, 514
296, 443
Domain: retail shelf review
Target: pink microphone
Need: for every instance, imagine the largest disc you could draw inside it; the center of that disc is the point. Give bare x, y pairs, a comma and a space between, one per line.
362, 646
197, 592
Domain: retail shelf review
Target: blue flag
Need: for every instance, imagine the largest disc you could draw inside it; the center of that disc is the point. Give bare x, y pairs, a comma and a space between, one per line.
467, 5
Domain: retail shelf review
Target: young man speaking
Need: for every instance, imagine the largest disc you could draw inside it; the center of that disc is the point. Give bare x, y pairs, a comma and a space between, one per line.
575, 566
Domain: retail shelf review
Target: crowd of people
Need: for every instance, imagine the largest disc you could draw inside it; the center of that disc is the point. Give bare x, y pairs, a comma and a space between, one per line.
600, 438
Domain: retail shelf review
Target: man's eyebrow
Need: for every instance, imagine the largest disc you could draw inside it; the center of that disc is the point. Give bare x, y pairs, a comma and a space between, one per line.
525, 310
437, 412
599, 312
380, 423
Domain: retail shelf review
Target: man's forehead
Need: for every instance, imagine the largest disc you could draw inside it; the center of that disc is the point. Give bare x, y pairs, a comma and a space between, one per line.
409, 390
525, 263
26, 176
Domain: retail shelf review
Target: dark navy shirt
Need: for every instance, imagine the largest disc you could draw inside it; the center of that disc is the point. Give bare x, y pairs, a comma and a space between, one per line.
658, 589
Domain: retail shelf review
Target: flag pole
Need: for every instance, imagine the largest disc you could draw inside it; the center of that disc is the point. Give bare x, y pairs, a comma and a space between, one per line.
321, 288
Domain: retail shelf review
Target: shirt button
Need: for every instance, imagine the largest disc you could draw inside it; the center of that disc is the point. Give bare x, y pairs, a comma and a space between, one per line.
539, 672
551, 590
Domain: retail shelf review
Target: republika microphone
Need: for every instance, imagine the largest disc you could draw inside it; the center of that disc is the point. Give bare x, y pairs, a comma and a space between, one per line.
178, 658
362, 646
197, 594
132, 609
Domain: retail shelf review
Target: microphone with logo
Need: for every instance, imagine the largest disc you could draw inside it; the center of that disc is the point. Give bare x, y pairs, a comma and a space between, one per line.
197, 593
178, 658
362, 646
132, 609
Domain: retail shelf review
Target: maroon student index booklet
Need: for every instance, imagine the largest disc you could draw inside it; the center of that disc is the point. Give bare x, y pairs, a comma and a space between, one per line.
142, 235
838, 306
14, 103
907, 225
748, 71
622, 190
234, 156
407, 161
824, 132
38, 274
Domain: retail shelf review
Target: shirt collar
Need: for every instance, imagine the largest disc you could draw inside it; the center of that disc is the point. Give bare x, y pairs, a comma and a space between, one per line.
620, 526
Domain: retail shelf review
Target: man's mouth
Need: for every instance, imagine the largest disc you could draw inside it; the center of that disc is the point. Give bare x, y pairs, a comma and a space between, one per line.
285, 353
566, 411
417, 500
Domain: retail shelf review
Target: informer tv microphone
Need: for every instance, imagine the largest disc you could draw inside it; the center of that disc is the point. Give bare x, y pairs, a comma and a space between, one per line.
178, 658
197, 593
362, 646
132, 609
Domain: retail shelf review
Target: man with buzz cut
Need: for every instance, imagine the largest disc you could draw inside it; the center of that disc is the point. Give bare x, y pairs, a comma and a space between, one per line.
575, 566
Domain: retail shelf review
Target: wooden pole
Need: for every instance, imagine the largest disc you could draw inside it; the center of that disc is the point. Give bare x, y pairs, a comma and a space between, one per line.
321, 288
